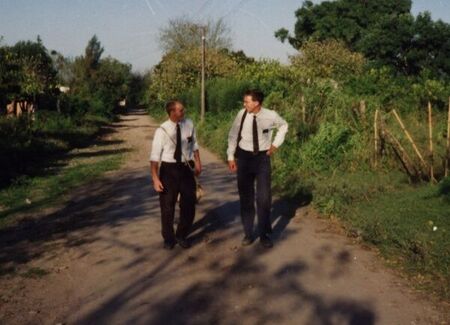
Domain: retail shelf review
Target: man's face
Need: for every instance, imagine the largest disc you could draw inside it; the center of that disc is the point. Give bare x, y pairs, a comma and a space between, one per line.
177, 113
250, 105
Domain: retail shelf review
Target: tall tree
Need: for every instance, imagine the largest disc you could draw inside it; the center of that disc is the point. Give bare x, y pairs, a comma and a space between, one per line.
36, 71
346, 20
384, 31
9, 75
183, 33
92, 53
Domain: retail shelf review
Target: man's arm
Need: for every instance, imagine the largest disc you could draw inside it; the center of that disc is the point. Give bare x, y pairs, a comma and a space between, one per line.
232, 141
157, 185
198, 163
196, 152
155, 157
282, 128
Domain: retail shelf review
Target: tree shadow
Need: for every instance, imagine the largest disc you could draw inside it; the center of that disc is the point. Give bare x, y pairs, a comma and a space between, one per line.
117, 200
247, 291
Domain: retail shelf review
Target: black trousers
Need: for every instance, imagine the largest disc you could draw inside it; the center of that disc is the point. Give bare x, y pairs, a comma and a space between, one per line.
254, 169
177, 178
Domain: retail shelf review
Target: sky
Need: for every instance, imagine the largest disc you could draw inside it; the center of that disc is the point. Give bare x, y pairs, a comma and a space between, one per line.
128, 29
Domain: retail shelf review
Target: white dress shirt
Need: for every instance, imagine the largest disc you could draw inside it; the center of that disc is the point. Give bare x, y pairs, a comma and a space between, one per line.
163, 147
266, 120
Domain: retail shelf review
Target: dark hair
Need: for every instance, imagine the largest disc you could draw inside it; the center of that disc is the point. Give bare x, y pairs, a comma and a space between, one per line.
257, 95
170, 105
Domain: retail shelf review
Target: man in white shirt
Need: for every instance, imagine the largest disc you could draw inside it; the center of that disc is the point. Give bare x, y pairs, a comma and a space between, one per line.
174, 147
249, 150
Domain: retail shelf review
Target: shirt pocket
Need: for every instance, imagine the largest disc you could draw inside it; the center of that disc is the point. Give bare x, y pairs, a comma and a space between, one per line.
266, 128
266, 125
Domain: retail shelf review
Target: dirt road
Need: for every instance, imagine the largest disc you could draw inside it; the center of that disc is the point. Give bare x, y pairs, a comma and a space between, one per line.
105, 263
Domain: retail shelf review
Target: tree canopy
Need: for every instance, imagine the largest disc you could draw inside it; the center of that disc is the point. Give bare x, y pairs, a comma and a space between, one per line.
183, 33
384, 31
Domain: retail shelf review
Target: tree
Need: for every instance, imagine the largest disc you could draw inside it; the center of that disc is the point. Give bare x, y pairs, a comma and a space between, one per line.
346, 20
36, 74
384, 31
182, 33
9, 75
112, 80
328, 59
180, 70
92, 54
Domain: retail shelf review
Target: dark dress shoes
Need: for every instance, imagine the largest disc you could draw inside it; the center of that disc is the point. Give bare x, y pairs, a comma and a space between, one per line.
266, 241
247, 241
183, 243
169, 244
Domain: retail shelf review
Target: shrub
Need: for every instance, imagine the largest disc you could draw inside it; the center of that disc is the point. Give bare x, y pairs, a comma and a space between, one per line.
327, 148
444, 188
226, 94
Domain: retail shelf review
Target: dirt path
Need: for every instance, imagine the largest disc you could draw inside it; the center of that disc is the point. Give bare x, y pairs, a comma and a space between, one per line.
105, 264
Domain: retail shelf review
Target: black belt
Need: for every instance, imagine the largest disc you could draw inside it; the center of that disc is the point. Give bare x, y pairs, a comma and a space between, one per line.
246, 153
190, 162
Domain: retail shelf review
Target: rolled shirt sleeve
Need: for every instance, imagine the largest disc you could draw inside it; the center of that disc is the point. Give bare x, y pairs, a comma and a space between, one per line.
195, 146
157, 146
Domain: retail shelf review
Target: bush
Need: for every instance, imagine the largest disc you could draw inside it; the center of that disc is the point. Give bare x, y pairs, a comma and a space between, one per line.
444, 188
327, 149
73, 105
226, 94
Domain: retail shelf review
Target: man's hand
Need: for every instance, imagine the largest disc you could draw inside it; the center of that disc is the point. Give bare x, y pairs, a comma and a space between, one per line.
232, 165
272, 150
157, 185
198, 168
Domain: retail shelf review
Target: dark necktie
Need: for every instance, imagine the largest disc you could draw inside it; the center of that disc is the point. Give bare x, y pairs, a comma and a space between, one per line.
177, 154
255, 136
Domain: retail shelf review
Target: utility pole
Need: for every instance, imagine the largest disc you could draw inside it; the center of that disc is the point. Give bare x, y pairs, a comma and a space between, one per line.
203, 97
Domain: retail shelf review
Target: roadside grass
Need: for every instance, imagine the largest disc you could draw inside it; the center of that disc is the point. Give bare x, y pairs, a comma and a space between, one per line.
30, 193
408, 224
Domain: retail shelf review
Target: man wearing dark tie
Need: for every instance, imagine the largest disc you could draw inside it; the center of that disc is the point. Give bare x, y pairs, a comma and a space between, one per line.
174, 147
249, 150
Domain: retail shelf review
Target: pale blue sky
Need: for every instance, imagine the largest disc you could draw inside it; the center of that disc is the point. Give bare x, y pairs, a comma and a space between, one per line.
128, 29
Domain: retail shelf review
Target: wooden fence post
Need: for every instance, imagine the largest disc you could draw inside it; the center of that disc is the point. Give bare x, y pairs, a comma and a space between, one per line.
402, 155
362, 110
302, 101
376, 137
447, 158
430, 137
410, 140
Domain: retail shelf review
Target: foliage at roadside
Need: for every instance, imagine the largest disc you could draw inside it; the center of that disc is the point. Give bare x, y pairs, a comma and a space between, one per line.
62, 120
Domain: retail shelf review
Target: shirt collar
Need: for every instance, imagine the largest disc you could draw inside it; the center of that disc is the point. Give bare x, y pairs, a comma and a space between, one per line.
173, 124
257, 114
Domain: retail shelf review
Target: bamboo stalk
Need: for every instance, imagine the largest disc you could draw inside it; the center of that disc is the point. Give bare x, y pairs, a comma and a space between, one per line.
375, 137
302, 100
447, 160
410, 139
362, 110
402, 155
430, 137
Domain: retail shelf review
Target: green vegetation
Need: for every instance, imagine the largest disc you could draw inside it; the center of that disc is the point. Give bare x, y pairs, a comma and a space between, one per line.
29, 193
384, 31
47, 125
329, 151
